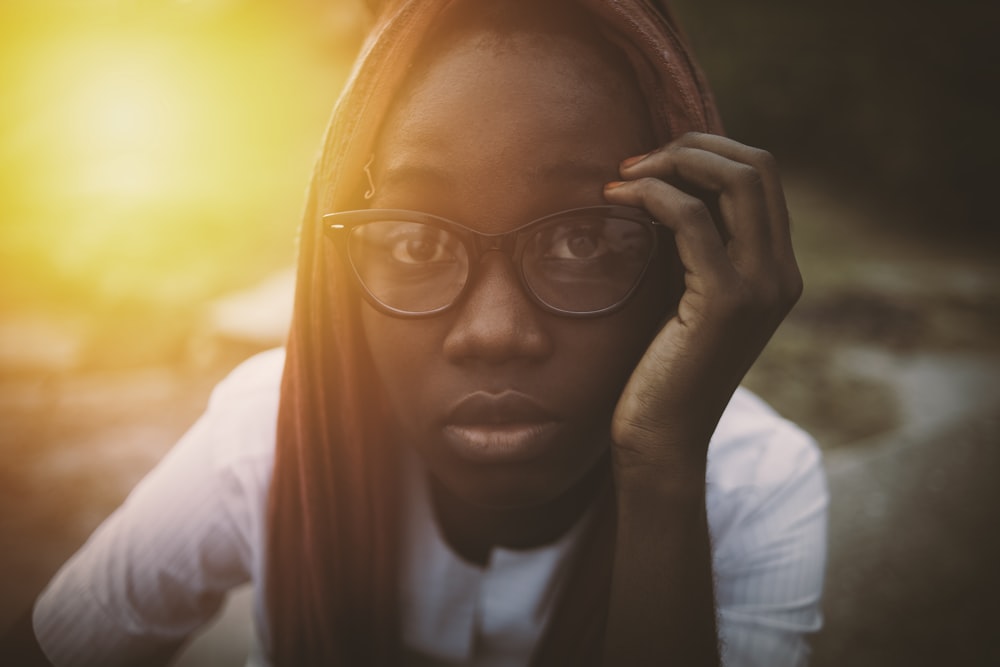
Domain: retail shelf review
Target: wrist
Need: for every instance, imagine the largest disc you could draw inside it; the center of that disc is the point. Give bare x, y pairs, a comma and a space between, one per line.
651, 509
673, 477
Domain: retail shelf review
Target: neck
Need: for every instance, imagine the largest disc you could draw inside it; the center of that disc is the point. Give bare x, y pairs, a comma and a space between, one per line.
473, 531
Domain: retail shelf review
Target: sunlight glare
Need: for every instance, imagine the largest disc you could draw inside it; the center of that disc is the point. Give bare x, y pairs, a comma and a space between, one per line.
157, 153
127, 122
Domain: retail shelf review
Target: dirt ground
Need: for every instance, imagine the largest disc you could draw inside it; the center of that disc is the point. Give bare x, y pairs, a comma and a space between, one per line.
892, 360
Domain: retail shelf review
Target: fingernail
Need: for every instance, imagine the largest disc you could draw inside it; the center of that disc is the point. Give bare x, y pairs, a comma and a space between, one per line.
613, 184
634, 160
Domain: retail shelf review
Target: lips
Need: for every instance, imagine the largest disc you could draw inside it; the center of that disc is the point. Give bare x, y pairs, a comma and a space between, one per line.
510, 407
510, 426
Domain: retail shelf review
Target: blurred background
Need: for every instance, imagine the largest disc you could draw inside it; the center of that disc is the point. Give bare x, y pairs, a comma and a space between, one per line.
153, 160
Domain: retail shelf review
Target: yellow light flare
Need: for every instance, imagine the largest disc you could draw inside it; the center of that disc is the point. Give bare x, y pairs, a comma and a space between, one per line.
127, 122
158, 152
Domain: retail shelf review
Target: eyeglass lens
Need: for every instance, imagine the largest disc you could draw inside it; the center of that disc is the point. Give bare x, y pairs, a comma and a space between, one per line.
579, 264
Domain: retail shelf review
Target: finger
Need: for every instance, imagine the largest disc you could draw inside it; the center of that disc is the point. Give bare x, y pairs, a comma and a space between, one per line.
767, 166
699, 245
760, 160
742, 204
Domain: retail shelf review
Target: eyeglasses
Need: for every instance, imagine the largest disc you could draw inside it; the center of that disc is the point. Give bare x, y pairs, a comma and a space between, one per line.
583, 262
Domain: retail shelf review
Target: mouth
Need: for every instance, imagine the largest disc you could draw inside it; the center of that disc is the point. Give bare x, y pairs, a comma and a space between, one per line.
494, 428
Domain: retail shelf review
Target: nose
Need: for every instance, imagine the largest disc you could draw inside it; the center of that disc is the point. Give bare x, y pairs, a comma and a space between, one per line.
496, 322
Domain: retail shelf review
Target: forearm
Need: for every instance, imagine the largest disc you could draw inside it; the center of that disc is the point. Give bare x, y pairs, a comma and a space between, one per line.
662, 607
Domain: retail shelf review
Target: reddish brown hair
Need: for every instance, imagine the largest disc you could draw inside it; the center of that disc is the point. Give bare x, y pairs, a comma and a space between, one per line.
332, 552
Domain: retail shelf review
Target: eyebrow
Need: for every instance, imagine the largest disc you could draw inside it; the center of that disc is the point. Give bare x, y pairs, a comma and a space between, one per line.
409, 172
561, 170
572, 170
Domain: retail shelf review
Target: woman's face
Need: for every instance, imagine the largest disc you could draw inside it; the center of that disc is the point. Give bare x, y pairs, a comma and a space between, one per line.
509, 405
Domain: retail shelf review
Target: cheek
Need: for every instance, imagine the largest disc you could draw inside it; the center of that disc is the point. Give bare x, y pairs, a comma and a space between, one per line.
626, 335
400, 350
597, 357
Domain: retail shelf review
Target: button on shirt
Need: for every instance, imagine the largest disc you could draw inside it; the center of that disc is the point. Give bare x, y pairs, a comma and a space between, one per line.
159, 567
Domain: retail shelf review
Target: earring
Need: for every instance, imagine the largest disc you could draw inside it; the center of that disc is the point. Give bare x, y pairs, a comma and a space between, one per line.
371, 184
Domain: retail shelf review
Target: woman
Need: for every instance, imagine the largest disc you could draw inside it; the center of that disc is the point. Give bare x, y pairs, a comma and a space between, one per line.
532, 276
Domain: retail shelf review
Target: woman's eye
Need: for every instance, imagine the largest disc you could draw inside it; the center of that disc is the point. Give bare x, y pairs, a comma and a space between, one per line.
421, 249
575, 242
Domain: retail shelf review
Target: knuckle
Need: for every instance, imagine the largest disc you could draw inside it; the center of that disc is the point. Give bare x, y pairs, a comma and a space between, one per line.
688, 138
764, 160
677, 152
648, 188
691, 208
647, 183
672, 149
747, 176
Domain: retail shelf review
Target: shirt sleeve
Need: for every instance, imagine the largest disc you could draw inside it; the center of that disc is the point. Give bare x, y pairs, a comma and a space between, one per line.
769, 543
159, 567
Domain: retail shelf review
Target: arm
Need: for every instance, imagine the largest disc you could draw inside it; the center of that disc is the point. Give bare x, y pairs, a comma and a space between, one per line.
662, 607
159, 567
740, 280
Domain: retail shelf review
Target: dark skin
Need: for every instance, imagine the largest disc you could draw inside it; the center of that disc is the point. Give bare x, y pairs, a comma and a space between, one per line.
494, 159
493, 139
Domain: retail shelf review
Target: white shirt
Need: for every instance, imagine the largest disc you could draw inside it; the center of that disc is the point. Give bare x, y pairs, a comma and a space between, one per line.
160, 566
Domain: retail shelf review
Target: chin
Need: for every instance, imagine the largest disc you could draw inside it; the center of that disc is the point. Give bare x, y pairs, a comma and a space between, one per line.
510, 495
520, 486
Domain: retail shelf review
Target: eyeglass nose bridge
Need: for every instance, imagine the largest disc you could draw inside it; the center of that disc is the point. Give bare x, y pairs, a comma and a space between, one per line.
505, 242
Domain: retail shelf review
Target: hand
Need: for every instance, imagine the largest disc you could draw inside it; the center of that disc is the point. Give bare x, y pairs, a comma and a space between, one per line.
740, 280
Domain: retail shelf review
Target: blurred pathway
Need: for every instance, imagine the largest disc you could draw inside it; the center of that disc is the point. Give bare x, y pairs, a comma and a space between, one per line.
914, 540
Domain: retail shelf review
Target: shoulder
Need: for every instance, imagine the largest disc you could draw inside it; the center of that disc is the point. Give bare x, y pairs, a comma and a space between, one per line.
755, 447
241, 417
258, 376
191, 530
226, 457
765, 481
767, 502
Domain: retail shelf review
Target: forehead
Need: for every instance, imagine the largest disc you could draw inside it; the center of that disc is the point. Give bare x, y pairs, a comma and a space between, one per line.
487, 115
522, 78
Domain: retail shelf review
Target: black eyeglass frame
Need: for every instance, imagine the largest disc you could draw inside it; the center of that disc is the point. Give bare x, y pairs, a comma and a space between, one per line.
512, 243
